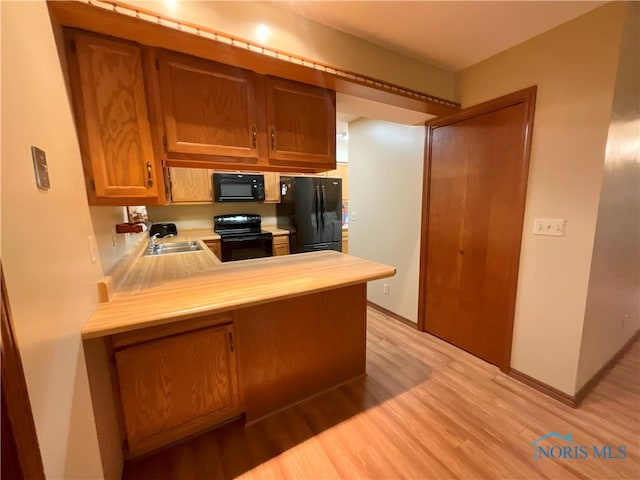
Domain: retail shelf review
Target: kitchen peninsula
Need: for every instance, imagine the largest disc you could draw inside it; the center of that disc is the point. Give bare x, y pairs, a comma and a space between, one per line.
241, 338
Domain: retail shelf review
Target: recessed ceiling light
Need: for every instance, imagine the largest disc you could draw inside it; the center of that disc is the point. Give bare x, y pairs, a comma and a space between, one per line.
262, 33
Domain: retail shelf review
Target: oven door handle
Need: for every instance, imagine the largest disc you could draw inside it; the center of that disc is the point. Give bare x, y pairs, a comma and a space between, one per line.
243, 239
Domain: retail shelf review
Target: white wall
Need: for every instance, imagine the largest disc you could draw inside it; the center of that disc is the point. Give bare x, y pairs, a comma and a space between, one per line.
112, 246
574, 66
342, 142
385, 191
51, 281
613, 301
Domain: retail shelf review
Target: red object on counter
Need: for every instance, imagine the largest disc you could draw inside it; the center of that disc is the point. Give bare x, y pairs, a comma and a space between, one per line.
129, 228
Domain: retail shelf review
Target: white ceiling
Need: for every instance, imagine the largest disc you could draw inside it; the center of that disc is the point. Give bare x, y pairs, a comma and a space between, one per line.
450, 34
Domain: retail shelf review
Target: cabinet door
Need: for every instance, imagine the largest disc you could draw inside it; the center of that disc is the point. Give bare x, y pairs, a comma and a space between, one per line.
177, 385
191, 185
109, 95
281, 245
345, 241
214, 246
271, 187
208, 108
302, 125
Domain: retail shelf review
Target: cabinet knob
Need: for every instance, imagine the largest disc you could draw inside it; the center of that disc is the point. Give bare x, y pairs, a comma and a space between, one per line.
149, 176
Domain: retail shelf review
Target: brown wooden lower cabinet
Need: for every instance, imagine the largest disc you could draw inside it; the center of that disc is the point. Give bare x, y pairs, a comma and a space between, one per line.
214, 246
182, 378
345, 241
281, 245
172, 386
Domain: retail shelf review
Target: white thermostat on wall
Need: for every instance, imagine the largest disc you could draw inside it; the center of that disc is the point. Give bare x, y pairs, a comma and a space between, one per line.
40, 167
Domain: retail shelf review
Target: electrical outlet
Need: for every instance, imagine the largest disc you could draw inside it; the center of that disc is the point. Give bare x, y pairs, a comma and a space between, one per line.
93, 249
386, 289
354, 216
549, 226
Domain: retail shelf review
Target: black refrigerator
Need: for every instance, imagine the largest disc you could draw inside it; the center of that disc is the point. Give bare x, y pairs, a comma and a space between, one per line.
311, 209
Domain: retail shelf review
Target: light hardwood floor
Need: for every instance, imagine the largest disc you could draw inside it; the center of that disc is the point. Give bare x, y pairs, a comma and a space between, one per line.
425, 410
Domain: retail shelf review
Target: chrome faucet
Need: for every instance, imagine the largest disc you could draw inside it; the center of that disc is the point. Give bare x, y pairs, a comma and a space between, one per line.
152, 243
153, 246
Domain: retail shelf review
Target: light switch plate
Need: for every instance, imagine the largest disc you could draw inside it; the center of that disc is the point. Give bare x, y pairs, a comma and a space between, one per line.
93, 249
549, 226
40, 167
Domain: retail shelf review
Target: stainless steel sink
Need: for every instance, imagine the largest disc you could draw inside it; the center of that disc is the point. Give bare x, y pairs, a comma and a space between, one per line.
175, 247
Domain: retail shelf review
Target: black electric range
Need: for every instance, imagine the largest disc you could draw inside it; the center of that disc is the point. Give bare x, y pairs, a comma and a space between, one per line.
241, 237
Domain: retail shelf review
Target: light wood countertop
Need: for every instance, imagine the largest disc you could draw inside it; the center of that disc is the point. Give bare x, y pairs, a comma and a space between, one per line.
140, 272
275, 231
221, 287
151, 271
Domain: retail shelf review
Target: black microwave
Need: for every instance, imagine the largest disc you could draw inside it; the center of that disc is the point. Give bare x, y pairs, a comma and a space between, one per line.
237, 187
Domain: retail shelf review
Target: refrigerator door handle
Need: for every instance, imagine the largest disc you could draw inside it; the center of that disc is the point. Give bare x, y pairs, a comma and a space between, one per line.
317, 205
323, 205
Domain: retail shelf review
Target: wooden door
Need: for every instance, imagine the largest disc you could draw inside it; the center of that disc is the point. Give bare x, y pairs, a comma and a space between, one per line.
475, 183
190, 185
209, 109
302, 125
175, 386
109, 95
20, 456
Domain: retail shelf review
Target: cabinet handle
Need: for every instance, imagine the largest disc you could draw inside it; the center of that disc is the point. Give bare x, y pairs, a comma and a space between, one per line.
273, 139
254, 136
231, 341
149, 176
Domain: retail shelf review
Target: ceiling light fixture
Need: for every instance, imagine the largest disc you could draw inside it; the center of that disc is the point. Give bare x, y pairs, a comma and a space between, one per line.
262, 33
171, 4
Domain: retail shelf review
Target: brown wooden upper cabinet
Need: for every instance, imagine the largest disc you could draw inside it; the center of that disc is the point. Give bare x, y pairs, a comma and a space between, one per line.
191, 185
109, 99
271, 187
139, 109
302, 125
209, 109
218, 116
